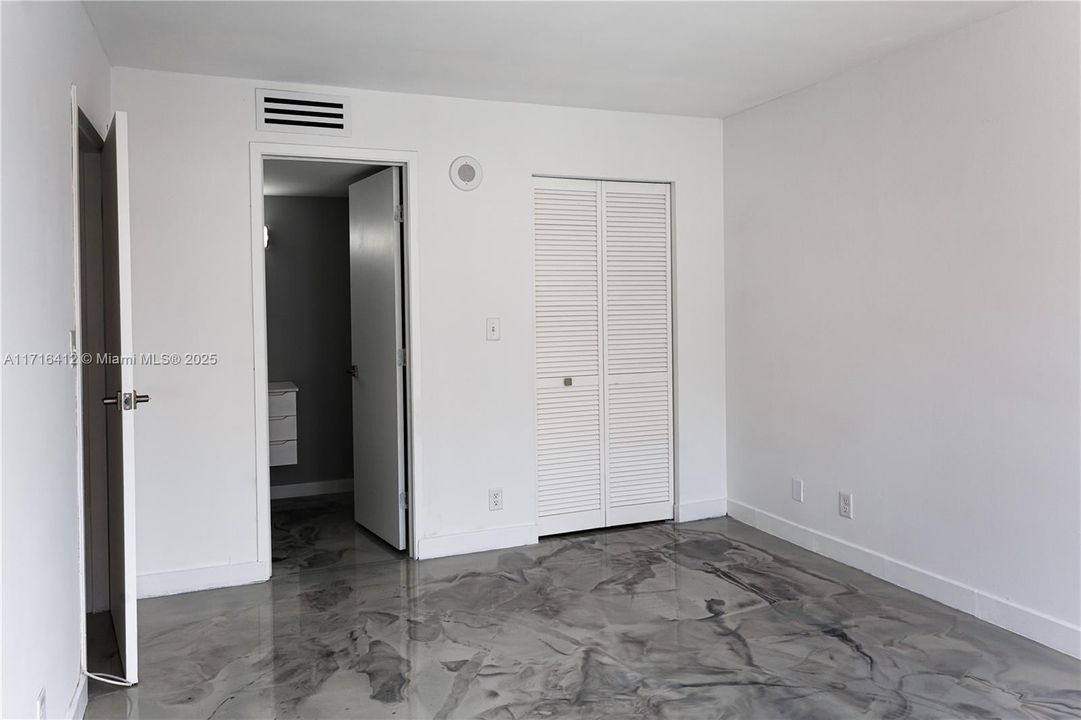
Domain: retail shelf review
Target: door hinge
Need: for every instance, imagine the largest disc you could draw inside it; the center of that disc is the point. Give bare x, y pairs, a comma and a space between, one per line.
398, 213
401, 357
403, 500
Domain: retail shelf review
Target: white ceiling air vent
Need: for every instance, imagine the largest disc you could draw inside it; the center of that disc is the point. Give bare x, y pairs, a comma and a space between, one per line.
298, 112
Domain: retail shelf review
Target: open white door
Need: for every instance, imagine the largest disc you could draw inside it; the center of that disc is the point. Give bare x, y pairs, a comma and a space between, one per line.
375, 272
120, 392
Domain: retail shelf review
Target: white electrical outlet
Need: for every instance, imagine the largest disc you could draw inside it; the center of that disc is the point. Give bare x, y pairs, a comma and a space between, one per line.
844, 504
41, 705
797, 489
492, 328
495, 499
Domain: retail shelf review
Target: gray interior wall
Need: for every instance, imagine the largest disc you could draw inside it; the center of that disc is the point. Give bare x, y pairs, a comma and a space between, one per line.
902, 295
308, 332
46, 48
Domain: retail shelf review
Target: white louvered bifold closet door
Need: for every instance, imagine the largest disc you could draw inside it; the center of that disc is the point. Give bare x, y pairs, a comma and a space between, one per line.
567, 287
637, 351
603, 353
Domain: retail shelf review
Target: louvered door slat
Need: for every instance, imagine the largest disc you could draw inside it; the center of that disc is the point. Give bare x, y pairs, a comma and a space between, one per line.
636, 287
567, 301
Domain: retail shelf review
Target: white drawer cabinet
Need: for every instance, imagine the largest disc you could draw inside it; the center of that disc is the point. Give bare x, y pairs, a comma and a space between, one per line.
283, 452
282, 411
281, 402
283, 428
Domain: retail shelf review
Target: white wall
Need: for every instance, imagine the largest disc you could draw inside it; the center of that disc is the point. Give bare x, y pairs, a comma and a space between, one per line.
902, 298
46, 48
196, 443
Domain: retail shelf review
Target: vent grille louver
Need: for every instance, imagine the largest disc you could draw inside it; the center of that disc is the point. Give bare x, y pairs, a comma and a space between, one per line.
297, 112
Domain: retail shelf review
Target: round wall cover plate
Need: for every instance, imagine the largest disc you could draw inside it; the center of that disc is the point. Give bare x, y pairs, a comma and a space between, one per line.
466, 173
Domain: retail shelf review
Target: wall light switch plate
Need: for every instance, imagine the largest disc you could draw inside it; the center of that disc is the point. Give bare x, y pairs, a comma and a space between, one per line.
844, 504
492, 330
797, 489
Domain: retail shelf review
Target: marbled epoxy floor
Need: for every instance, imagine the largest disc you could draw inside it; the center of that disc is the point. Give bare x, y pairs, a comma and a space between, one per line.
709, 619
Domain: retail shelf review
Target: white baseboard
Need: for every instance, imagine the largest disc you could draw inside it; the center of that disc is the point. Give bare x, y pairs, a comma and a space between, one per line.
701, 509
1033, 624
77, 706
316, 487
477, 541
181, 581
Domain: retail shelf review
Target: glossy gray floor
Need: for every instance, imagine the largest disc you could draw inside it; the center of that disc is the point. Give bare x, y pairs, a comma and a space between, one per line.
709, 619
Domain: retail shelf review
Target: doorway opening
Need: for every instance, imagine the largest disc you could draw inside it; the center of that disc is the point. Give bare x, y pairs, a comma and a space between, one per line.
107, 399
101, 644
337, 389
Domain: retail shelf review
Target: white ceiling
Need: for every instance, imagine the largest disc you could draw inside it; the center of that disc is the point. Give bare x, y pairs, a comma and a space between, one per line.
689, 58
312, 178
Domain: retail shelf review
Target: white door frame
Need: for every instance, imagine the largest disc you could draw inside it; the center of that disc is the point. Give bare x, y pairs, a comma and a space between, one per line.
76, 232
407, 160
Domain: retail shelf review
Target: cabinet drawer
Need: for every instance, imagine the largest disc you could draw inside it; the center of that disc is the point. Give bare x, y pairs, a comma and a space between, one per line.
283, 452
283, 428
282, 402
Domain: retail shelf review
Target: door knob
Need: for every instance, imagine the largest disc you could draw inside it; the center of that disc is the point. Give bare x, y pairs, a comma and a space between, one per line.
127, 401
